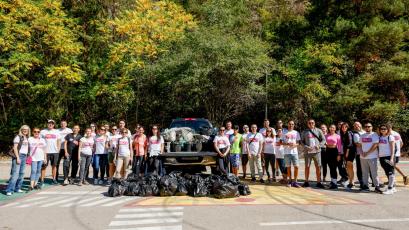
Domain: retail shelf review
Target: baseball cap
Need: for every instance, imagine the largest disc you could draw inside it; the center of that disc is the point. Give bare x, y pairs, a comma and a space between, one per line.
51, 121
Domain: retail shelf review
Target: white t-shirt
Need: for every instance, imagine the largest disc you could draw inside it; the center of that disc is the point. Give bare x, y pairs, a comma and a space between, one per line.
254, 141
292, 136
357, 140
229, 133
269, 143
384, 145
155, 145
113, 140
398, 141
244, 143
367, 140
263, 131
313, 143
63, 133
24, 145
279, 148
100, 143
37, 145
221, 141
124, 146
87, 145
51, 137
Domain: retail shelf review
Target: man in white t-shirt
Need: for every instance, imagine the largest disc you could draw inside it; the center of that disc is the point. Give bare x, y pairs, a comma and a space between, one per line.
222, 146
357, 132
398, 147
291, 140
244, 155
53, 140
369, 158
267, 126
254, 149
64, 131
229, 130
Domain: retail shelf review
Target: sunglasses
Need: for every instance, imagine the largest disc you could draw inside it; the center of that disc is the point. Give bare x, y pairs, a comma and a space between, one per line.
368, 126
268, 131
222, 130
36, 131
124, 132
383, 129
113, 129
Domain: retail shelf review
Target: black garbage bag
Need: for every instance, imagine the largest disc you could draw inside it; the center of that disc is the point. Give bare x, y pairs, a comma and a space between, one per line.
133, 189
232, 179
182, 188
225, 190
244, 190
145, 190
133, 177
117, 188
175, 174
152, 181
168, 185
197, 186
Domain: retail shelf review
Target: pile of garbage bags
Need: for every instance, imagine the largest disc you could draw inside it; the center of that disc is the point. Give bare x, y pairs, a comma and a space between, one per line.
178, 184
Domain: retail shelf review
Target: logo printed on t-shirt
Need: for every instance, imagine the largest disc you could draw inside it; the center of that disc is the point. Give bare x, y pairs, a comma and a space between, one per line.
367, 139
221, 142
123, 142
397, 138
383, 141
290, 136
50, 136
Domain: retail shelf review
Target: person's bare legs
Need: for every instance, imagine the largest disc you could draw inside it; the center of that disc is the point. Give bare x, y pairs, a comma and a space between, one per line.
54, 172
350, 170
307, 173
289, 174
295, 173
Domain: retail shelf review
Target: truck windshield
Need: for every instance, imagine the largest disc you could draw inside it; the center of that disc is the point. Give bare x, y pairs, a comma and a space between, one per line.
196, 125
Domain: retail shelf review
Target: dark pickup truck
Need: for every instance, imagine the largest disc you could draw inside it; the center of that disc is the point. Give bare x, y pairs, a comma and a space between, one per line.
191, 154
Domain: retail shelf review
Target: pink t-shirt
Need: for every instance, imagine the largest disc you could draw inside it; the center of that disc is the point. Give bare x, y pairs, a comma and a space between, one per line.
334, 140
140, 142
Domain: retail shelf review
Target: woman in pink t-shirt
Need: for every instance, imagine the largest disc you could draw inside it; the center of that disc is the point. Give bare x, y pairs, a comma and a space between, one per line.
334, 152
140, 147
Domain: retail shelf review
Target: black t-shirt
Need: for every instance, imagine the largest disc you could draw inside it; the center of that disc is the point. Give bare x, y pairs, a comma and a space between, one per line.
71, 146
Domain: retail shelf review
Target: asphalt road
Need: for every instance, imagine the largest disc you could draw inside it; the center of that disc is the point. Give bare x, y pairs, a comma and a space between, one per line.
269, 207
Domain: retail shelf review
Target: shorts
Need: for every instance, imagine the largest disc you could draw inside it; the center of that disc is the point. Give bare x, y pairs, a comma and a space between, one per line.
396, 160
291, 158
235, 160
244, 159
312, 156
52, 159
351, 156
110, 157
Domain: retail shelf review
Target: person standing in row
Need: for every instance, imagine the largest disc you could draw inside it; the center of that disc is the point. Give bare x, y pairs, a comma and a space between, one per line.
254, 149
85, 149
369, 157
113, 140
244, 153
398, 147
63, 131
38, 155
124, 154
18, 164
357, 132
140, 147
269, 154
156, 146
342, 162
313, 139
333, 154
291, 141
324, 158
222, 147
71, 145
279, 153
53, 140
236, 140
348, 153
229, 129
387, 149
100, 156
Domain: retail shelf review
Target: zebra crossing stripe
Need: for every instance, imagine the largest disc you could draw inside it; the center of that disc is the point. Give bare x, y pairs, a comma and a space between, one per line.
79, 202
123, 200
176, 227
59, 202
164, 209
99, 201
29, 203
147, 215
17, 203
73, 193
145, 221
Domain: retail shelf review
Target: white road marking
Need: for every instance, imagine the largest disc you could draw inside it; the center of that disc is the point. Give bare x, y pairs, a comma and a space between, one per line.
164, 209
332, 222
17, 203
118, 202
145, 221
149, 215
29, 204
72, 193
81, 201
60, 202
100, 201
177, 227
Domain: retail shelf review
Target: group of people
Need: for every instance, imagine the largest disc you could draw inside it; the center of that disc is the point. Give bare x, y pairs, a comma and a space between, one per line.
113, 152
333, 147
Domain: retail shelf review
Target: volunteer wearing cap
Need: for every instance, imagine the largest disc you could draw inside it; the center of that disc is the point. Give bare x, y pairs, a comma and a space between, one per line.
53, 140
64, 131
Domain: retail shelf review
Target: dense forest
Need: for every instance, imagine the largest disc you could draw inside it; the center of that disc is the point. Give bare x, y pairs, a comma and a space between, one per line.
149, 61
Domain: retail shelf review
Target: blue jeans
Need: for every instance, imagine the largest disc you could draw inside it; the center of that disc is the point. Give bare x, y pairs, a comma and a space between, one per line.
35, 171
99, 163
17, 174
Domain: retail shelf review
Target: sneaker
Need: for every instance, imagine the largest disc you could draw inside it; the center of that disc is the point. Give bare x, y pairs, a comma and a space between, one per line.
350, 186
109, 182
306, 184
295, 185
30, 189
79, 183
378, 190
333, 186
37, 187
320, 185
85, 182
270, 180
65, 182
289, 184
388, 192
19, 191
9, 194
405, 180
243, 177
364, 189
274, 179
253, 179
394, 190
262, 181
278, 173
95, 181
100, 182
55, 181
381, 185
